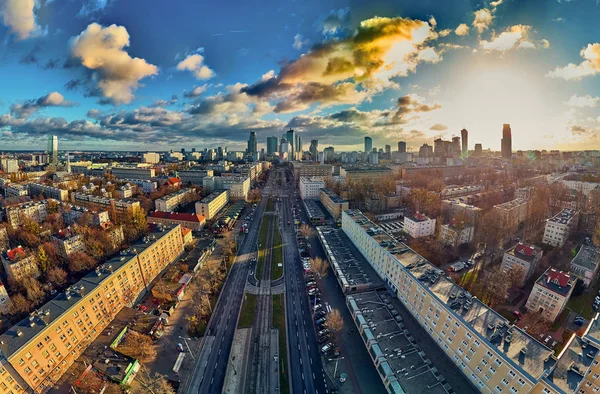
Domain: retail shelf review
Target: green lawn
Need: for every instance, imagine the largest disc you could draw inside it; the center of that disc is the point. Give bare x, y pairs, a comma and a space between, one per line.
582, 304
262, 241
270, 206
279, 323
248, 311
276, 271
560, 319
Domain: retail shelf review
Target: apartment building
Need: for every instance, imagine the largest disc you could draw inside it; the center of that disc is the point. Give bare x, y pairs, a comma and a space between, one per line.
559, 227
188, 220
459, 191
5, 302
454, 236
581, 186
454, 207
585, 264
524, 193
495, 356
72, 213
550, 293
512, 213
419, 225
301, 169
310, 187
67, 242
118, 210
238, 186
3, 239
125, 172
35, 352
334, 204
151, 157
9, 165
126, 191
171, 202
525, 256
15, 190
36, 211
19, 263
35, 189
146, 185
194, 176
367, 173
210, 205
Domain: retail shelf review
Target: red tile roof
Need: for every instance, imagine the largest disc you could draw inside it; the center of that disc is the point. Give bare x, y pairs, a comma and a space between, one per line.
173, 181
185, 231
186, 217
524, 249
13, 252
560, 276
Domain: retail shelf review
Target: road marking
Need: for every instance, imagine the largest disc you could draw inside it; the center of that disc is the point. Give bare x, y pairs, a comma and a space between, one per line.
300, 360
314, 375
311, 361
303, 376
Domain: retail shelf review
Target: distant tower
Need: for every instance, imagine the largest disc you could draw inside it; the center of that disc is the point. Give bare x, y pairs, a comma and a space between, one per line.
53, 149
402, 147
464, 136
272, 143
252, 144
478, 150
455, 146
506, 142
314, 149
290, 136
368, 144
68, 163
388, 152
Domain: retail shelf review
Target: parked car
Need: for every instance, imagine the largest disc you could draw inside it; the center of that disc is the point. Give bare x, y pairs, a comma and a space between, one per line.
323, 332
324, 338
327, 347
317, 307
517, 314
579, 321
320, 313
308, 284
321, 321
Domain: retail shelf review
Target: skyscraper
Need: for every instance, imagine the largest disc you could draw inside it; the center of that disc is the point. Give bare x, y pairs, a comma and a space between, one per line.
368, 144
464, 135
298, 143
455, 146
388, 152
272, 143
478, 150
291, 138
252, 145
506, 142
314, 149
53, 149
402, 147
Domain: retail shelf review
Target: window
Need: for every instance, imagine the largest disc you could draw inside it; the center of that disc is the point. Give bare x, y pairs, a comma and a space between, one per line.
512, 374
498, 389
504, 381
498, 362
488, 353
492, 370
513, 390
521, 382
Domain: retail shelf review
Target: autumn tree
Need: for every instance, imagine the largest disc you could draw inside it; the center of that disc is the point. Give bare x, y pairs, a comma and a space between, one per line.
335, 322
535, 323
148, 382
33, 289
254, 196
424, 201
43, 260
493, 287
319, 266
306, 230
19, 304
138, 346
79, 261
54, 258
56, 276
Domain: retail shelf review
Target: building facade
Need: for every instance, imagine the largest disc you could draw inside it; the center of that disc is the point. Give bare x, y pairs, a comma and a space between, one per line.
550, 293
210, 205
454, 236
310, 187
126, 172
171, 202
419, 225
35, 189
525, 256
19, 264
36, 211
334, 204
118, 210
188, 220
151, 157
585, 264
559, 227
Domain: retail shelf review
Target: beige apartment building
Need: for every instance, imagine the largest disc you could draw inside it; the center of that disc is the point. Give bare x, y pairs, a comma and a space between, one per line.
334, 204
210, 205
171, 202
36, 211
19, 263
35, 189
124, 172
524, 256
512, 213
550, 293
118, 210
35, 352
559, 227
67, 243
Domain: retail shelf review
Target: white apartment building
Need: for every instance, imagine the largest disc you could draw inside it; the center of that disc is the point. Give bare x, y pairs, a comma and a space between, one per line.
583, 187
585, 264
559, 227
525, 256
171, 202
125, 191
9, 165
16, 190
310, 187
35, 189
151, 157
5, 302
146, 185
550, 293
126, 172
19, 264
194, 176
512, 213
494, 355
238, 186
210, 205
67, 243
454, 236
419, 225
36, 211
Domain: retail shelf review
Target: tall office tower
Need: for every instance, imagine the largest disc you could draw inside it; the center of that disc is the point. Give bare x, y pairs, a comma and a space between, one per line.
53, 149
402, 147
314, 151
193, 150
455, 146
464, 135
68, 163
298, 143
368, 144
506, 142
272, 143
388, 151
284, 146
426, 151
183, 151
478, 150
252, 145
290, 136
329, 153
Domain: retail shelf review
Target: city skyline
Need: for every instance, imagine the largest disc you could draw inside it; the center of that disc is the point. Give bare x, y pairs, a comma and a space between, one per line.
472, 67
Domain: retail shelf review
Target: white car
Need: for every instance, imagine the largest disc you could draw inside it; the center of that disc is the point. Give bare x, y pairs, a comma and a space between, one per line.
317, 307
327, 347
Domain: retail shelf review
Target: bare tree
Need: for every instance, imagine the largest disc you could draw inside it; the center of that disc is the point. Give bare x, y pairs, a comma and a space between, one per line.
335, 322
138, 346
535, 323
306, 230
319, 266
56, 276
19, 304
150, 383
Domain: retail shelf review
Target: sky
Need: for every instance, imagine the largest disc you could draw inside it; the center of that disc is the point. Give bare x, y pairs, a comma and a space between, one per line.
161, 75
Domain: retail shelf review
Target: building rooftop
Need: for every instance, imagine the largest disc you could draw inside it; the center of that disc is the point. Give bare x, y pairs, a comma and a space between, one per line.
11, 254
564, 216
312, 179
517, 202
573, 362
525, 252
313, 209
588, 257
186, 217
333, 196
212, 196
517, 346
418, 217
174, 194
557, 281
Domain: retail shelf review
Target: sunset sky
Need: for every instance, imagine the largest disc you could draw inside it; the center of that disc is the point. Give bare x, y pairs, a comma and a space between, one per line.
159, 75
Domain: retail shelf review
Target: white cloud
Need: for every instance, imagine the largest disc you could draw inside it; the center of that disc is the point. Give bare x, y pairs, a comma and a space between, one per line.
195, 92
590, 66
432, 21
195, 64
445, 32
483, 19
102, 49
582, 101
268, 75
462, 30
496, 3
299, 41
429, 55
19, 17
515, 36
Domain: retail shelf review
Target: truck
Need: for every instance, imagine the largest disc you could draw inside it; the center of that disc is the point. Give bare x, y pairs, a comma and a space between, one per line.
456, 267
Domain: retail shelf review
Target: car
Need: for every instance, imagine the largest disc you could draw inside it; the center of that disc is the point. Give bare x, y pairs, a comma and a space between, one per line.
323, 332
578, 321
309, 278
180, 348
320, 313
324, 338
517, 314
321, 321
327, 347
313, 291
289, 222
310, 284
317, 307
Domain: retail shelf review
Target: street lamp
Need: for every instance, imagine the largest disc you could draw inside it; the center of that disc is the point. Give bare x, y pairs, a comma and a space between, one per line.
188, 346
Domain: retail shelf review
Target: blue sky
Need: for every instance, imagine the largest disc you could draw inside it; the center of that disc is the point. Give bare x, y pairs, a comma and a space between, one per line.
132, 74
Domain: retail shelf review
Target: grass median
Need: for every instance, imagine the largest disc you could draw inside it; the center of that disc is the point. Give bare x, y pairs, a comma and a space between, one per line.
276, 269
262, 241
279, 323
248, 311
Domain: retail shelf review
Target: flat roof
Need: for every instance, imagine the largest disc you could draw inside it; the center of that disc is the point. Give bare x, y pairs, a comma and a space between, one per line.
574, 362
333, 196
212, 196
564, 216
588, 257
313, 209
486, 322
511, 204
312, 179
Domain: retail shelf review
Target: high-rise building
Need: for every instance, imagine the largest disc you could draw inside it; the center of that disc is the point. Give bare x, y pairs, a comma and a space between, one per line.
402, 146
388, 151
506, 142
368, 144
285, 148
298, 143
252, 144
426, 151
455, 146
314, 149
290, 136
329, 153
272, 143
478, 150
464, 135
53, 149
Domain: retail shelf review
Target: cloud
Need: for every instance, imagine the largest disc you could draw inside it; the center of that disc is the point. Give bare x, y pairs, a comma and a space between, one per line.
299, 41
438, 127
91, 7
496, 3
582, 101
195, 92
462, 30
335, 23
590, 66
101, 49
195, 64
27, 108
579, 130
513, 37
483, 19
445, 32
412, 103
19, 17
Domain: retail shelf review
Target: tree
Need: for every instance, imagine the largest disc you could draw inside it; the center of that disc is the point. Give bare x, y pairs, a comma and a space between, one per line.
54, 258
79, 261
335, 322
150, 383
43, 260
138, 346
306, 230
535, 323
33, 289
19, 304
515, 276
56, 276
254, 196
319, 266
28, 239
